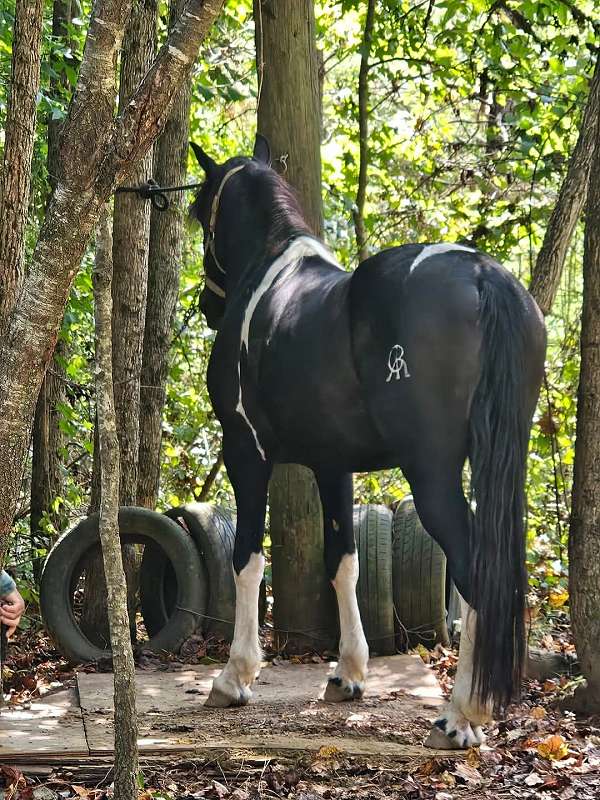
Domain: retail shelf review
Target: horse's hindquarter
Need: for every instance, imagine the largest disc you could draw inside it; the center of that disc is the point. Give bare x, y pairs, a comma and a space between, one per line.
416, 344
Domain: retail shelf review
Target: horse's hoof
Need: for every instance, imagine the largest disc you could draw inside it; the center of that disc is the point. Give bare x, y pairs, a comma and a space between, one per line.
339, 691
450, 733
218, 698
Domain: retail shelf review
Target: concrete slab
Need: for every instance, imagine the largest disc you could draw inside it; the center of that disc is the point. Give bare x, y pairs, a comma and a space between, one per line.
287, 705
51, 725
285, 716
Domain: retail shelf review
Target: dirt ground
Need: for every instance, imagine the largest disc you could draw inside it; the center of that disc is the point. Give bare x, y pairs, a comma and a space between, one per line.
535, 751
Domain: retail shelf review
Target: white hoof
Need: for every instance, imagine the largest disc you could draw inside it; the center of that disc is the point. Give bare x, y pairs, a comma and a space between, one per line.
339, 690
227, 693
453, 731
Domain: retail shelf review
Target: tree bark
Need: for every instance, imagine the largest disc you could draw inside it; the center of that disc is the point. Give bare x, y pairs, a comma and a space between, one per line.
363, 134
18, 151
289, 116
131, 231
164, 259
46, 464
131, 234
46, 467
571, 198
584, 538
96, 152
125, 720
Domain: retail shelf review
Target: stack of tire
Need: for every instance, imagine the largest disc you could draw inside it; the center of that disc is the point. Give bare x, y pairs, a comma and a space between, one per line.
187, 586
404, 595
186, 583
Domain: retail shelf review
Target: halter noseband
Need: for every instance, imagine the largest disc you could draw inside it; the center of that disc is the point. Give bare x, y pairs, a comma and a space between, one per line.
212, 224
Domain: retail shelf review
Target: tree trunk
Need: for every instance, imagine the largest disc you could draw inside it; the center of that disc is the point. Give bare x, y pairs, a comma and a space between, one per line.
551, 258
96, 153
18, 151
584, 538
166, 248
289, 116
131, 231
363, 134
126, 754
46, 468
46, 465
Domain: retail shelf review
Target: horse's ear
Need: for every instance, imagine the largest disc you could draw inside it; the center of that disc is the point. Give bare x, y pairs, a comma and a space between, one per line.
262, 151
205, 161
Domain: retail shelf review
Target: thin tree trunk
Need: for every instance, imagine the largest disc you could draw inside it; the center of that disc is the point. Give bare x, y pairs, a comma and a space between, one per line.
551, 258
289, 116
131, 231
363, 133
584, 538
18, 151
164, 259
46, 467
125, 720
46, 464
97, 152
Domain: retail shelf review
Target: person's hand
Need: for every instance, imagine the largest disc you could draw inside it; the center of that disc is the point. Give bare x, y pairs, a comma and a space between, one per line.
12, 607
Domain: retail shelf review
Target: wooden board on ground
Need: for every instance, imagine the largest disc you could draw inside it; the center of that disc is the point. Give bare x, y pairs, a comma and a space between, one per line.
402, 693
52, 725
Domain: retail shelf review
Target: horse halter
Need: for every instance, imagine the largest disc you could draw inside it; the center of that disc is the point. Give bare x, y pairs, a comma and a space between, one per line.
212, 224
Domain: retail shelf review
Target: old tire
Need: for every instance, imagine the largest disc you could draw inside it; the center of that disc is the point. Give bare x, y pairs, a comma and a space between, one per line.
136, 525
373, 533
212, 530
419, 581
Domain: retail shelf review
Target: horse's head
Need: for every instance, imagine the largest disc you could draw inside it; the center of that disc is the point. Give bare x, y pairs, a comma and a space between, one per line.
228, 206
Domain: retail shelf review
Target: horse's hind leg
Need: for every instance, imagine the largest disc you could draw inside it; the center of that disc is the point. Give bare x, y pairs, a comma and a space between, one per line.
249, 475
341, 561
444, 512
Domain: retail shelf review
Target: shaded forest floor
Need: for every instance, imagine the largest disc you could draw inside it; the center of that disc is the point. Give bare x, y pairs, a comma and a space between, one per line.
535, 751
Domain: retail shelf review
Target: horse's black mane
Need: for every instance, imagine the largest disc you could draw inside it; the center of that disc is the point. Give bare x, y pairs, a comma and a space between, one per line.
285, 215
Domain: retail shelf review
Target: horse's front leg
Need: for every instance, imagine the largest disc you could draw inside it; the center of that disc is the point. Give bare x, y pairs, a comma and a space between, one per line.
249, 475
341, 561
459, 726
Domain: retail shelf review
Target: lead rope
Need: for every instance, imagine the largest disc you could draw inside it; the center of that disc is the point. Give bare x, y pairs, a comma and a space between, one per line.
158, 197
155, 193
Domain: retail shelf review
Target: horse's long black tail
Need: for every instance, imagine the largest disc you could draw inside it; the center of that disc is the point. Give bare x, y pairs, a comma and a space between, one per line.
499, 430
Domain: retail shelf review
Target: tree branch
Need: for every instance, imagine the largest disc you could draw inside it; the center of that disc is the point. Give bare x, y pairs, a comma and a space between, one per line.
363, 135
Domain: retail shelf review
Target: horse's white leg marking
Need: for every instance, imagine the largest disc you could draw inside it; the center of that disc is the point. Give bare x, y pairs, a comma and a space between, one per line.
300, 248
438, 249
232, 686
348, 681
461, 721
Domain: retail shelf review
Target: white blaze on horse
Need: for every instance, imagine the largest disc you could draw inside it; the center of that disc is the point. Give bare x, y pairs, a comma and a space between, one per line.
423, 357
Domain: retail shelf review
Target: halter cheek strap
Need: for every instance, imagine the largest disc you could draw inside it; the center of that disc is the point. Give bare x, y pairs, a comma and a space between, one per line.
212, 224
214, 287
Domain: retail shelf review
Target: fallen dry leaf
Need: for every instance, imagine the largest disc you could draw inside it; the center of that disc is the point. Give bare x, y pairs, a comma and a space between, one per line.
538, 712
328, 751
468, 774
533, 779
554, 748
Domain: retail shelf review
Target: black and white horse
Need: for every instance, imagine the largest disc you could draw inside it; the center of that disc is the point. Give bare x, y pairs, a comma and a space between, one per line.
424, 356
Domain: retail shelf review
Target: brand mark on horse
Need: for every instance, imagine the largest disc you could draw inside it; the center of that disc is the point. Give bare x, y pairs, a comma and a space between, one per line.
397, 364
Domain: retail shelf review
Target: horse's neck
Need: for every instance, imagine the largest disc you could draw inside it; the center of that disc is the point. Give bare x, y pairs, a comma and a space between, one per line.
253, 266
